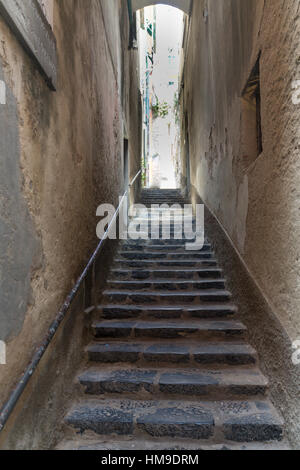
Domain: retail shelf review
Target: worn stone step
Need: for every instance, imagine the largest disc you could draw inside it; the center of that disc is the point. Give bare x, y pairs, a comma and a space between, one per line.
162, 382
159, 211
174, 199
149, 234
164, 202
163, 197
190, 229
201, 329
150, 214
191, 353
236, 421
173, 216
163, 192
167, 312
163, 219
165, 263
169, 202
179, 200
119, 443
161, 248
113, 296
174, 274
157, 223
153, 256
163, 284
159, 242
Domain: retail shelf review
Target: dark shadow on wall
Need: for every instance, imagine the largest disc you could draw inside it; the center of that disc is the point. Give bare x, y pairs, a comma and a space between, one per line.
20, 249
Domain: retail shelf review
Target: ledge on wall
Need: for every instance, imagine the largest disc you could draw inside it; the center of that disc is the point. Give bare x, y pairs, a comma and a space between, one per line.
29, 24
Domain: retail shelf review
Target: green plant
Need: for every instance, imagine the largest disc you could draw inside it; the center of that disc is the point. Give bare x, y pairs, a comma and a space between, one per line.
160, 109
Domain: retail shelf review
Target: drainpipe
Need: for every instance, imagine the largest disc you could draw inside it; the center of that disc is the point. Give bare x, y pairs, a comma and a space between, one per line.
132, 22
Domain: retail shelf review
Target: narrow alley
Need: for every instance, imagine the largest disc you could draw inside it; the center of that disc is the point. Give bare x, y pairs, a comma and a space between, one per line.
149, 225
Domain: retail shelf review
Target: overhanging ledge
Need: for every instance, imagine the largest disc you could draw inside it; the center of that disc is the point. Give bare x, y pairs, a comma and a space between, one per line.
27, 21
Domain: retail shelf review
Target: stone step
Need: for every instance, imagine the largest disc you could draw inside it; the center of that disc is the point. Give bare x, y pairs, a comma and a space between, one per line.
113, 296
163, 201
110, 443
158, 242
162, 222
165, 263
156, 213
161, 191
160, 248
163, 284
174, 274
236, 421
153, 220
166, 312
191, 353
163, 197
153, 256
160, 211
190, 228
200, 329
170, 202
171, 198
162, 382
150, 234
148, 237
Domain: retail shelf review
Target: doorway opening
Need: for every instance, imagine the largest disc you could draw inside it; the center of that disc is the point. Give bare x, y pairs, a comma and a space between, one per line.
160, 34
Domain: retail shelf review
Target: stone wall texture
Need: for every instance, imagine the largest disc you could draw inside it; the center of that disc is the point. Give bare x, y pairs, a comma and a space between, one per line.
256, 201
61, 156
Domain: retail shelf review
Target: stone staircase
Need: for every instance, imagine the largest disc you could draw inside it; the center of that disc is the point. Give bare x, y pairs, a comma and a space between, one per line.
169, 366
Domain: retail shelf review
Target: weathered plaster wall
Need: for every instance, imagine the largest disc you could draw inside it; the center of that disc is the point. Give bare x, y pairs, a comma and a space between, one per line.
61, 156
255, 201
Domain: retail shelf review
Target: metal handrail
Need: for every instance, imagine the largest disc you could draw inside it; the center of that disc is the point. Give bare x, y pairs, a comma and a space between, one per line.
9, 406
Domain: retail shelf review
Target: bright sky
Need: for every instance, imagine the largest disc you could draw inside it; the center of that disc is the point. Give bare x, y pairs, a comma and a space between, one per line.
169, 40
